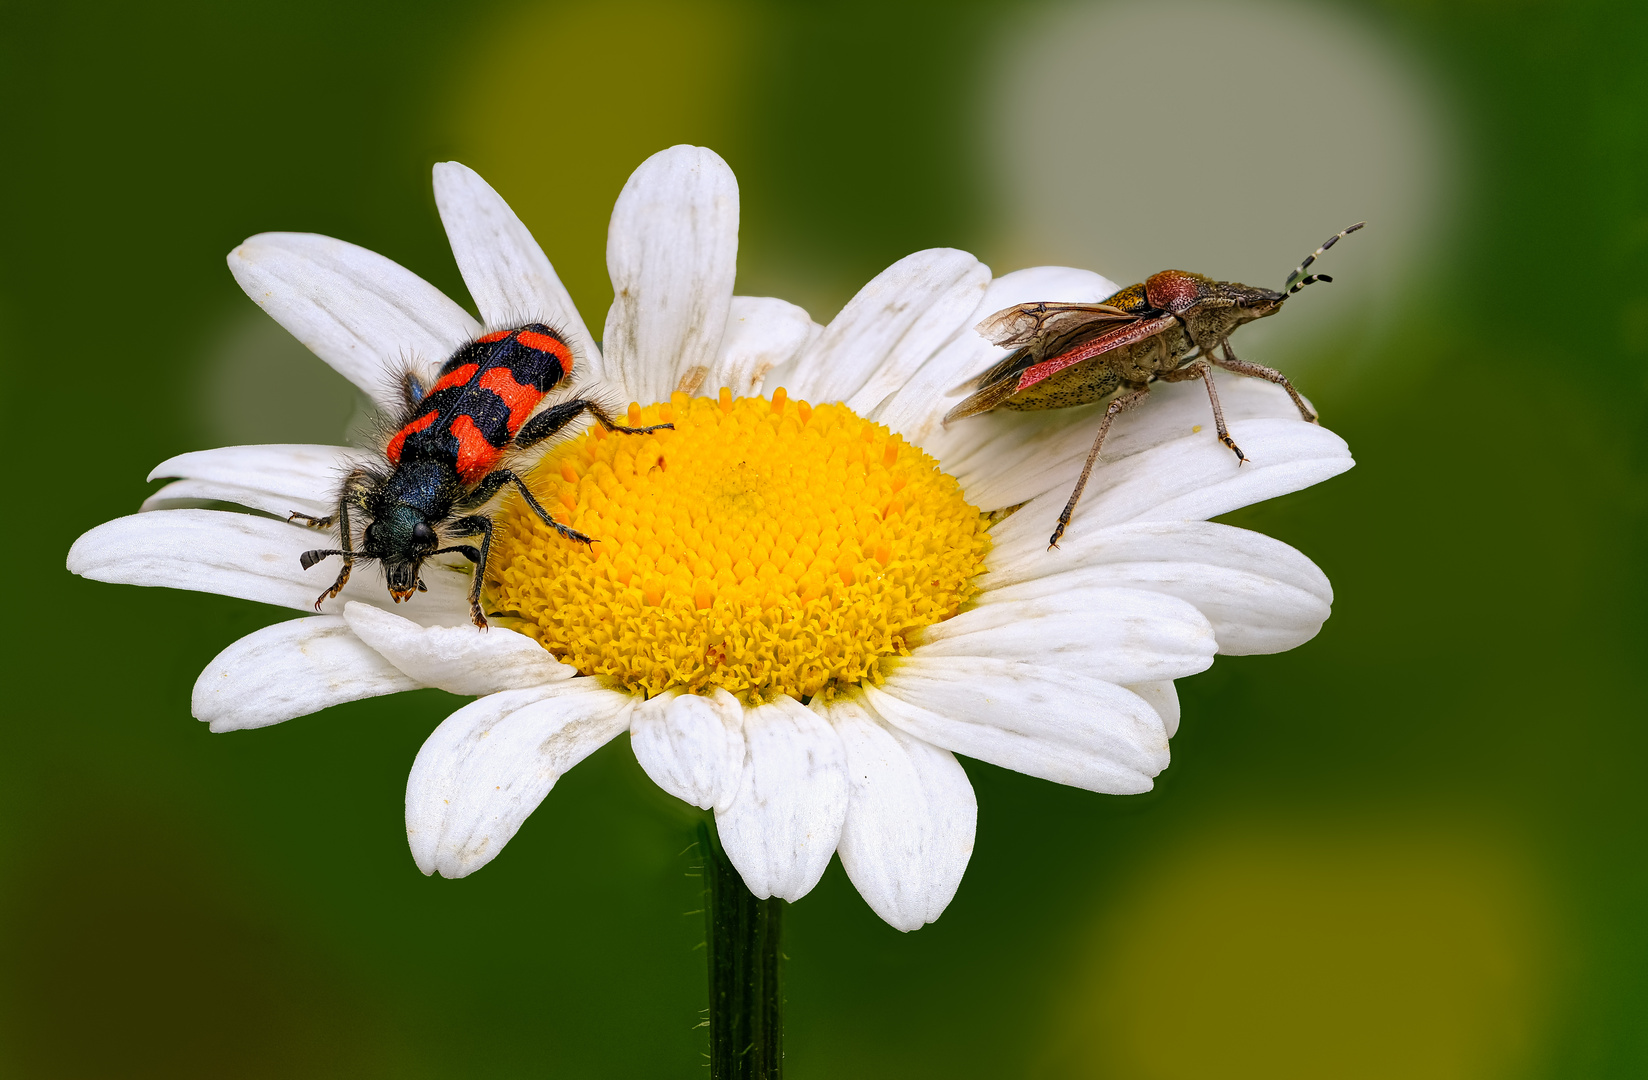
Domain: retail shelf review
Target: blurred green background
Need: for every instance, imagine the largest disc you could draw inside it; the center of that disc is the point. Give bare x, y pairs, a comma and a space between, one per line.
1411, 847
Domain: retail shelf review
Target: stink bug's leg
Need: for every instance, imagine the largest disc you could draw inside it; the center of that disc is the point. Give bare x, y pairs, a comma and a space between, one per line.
475, 524
1259, 371
553, 419
310, 521
1201, 369
1117, 406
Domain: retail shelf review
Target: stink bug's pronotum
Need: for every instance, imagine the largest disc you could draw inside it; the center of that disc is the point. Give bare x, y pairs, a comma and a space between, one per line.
1174, 327
442, 463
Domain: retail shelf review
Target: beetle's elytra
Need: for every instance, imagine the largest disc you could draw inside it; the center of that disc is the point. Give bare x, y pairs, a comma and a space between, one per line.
442, 464
1174, 326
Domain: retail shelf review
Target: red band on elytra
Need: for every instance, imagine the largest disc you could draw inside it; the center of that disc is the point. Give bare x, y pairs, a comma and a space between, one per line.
456, 377
520, 400
476, 456
393, 450
552, 345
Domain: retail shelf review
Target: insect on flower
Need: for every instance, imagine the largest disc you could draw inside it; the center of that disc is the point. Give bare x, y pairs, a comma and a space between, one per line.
444, 457
1174, 327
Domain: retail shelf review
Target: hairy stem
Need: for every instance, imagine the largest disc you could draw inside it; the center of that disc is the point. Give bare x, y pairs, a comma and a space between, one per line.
746, 994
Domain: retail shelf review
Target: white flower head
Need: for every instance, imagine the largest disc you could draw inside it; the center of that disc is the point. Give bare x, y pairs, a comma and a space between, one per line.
798, 605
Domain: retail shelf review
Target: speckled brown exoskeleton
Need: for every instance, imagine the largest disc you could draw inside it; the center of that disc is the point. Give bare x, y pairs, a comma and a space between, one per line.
1175, 326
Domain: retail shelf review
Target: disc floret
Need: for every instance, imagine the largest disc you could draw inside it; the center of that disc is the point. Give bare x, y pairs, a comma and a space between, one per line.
763, 546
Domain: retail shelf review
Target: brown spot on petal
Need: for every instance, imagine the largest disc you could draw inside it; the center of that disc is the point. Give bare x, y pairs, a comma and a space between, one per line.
692, 379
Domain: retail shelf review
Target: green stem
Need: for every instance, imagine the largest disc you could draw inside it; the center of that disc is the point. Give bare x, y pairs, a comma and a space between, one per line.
746, 994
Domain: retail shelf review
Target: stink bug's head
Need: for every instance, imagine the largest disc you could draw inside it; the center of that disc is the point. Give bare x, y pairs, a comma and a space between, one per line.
1253, 302
401, 539
1183, 293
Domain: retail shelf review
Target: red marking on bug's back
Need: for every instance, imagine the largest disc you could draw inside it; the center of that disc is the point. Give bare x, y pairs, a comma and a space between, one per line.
1115, 339
1171, 289
393, 450
476, 456
456, 377
552, 345
521, 400
496, 335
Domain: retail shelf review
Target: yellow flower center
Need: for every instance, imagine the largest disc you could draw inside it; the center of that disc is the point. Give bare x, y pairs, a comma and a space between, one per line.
766, 547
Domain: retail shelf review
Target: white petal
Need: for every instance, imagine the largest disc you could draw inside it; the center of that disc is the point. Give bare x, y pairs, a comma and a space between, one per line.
1118, 635
253, 558
491, 763
1010, 457
364, 314
916, 409
792, 798
891, 328
458, 659
1193, 478
1260, 595
691, 746
911, 815
189, 494
763, 334
276, 479
1164, 698
672, 251
291, 669
1042, 721
1017, 555
506, 271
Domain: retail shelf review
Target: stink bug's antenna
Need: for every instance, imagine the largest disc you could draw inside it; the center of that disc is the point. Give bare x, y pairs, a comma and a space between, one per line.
1295, 282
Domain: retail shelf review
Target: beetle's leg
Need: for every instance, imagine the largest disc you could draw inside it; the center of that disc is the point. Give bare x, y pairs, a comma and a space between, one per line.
474, 525
1201, 369
497, 479
1259, 371
1117, 406
553, 419
355, 486
412, 388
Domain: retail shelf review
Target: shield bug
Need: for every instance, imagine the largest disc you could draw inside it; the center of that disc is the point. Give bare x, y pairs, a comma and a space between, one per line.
1175, 326
442, 464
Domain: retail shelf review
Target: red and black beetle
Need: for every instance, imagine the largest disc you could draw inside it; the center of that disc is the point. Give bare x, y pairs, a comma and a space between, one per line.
443, 463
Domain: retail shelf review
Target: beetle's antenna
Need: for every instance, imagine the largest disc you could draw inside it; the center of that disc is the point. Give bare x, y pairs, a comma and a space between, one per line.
1295, 281
310, 558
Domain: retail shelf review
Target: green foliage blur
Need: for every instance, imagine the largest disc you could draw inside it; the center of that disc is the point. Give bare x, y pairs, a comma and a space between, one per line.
1411, 847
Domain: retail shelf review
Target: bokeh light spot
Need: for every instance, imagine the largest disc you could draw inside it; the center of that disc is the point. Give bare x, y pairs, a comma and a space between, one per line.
1351, 954
557, 104
1228, 138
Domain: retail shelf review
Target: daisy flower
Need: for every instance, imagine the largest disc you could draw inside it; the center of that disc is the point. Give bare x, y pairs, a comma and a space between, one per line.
801, 603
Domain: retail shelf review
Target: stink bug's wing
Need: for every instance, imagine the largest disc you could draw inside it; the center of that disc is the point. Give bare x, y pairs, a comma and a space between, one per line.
988, 398
1138, 330
1072, 332
1036, 331
1029, 323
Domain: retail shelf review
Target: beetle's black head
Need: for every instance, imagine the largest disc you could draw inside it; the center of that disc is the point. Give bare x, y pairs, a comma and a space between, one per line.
401, 539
